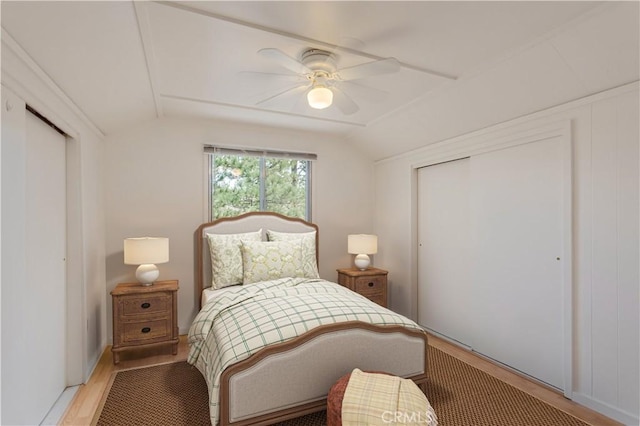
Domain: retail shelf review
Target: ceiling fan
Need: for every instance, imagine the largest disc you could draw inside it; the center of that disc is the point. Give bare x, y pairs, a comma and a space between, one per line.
324, 83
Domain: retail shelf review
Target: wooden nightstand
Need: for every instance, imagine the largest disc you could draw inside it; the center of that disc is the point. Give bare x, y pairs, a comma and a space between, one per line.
144, 316
371, 283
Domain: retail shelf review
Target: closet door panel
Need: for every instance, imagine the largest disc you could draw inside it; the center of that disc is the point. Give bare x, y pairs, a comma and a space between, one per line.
516, 241
443, 258
46, 271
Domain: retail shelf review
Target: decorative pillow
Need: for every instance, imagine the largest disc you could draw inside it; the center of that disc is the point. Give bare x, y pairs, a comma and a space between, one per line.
270, 260
309, 260
226, 258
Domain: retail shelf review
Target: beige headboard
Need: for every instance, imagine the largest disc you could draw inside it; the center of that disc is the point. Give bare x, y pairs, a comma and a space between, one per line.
244, 223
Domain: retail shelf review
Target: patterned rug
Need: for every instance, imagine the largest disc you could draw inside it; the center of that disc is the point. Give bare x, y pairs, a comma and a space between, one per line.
176, 394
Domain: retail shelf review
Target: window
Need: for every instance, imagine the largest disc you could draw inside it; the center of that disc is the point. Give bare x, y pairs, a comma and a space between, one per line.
242, 181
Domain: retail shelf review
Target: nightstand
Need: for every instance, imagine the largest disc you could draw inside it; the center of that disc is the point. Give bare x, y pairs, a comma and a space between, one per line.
371, 283
144, 316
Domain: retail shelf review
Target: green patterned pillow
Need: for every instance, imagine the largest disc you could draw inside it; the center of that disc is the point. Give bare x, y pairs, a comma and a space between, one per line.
309, 259
270, 260
226, 258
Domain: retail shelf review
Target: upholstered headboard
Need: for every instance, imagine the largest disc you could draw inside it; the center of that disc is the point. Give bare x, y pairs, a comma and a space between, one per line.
244, 223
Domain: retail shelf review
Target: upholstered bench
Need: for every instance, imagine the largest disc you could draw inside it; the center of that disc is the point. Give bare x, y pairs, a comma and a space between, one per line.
412, 406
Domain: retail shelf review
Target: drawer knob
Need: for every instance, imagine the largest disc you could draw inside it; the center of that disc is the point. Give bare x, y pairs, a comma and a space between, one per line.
371, 284
146, 329
145, 305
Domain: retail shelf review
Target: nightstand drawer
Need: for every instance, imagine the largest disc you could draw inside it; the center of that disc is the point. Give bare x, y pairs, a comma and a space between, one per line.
144, 331
146, 304
377, 298
369, 285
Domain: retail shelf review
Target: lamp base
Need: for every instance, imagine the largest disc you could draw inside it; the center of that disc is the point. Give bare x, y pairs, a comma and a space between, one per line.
362, 261
147, 274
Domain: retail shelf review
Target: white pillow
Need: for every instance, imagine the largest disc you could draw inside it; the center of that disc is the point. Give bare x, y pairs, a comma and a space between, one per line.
270, 260
309, 259
226, 258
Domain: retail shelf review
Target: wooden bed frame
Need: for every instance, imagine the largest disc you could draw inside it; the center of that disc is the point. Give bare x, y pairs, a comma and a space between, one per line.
292, 379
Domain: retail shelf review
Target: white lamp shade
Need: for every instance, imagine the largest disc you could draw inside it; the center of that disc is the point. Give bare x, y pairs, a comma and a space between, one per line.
362, 244
320, 97
146, 250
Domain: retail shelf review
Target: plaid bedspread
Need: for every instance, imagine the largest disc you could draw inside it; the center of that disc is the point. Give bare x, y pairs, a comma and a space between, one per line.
241, 322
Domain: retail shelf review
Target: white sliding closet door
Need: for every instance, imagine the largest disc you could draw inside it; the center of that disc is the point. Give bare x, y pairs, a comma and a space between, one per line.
516, 223
490, 248
34, 238
45, 266
443, 255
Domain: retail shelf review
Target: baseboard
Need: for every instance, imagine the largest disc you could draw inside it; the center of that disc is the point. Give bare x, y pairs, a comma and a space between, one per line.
606, 409
57, 412
92, 363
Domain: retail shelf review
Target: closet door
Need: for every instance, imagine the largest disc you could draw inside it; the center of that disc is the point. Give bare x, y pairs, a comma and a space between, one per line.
45, 284
490, 244
444, 286
516, 240
33, 264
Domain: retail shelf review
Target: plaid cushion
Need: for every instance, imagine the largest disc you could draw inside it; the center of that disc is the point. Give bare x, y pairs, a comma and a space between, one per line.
380, 399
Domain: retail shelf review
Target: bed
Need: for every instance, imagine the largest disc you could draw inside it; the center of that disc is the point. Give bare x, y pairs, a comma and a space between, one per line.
311, 331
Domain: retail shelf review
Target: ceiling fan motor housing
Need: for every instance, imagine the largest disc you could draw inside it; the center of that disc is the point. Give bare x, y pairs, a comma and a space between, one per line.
319, 61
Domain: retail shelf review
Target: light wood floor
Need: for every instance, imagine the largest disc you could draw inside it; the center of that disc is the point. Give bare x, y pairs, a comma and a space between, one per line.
88, 398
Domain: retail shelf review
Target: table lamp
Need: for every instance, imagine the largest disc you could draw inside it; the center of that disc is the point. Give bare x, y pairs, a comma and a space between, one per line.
362, 245
146, 252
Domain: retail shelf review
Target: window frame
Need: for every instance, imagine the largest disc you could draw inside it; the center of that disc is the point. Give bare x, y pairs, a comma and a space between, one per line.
210, 152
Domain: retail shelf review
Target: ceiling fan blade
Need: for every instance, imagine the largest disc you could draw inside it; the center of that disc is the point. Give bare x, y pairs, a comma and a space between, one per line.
369, 69
297, 87
285, 60
344, 102
362, 92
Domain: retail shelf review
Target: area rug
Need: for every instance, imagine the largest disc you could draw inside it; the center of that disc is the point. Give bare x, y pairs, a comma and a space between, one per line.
461, 395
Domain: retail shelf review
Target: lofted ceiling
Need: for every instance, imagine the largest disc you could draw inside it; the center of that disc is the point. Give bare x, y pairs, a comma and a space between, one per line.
464, 65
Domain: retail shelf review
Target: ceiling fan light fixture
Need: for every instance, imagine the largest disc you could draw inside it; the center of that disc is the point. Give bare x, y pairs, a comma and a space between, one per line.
320, 97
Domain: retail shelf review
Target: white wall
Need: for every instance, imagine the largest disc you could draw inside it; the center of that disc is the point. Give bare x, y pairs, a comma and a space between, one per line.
605, 241
24, 82
155, 185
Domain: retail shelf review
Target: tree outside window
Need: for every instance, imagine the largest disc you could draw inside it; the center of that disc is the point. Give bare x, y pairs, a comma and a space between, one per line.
246, 183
